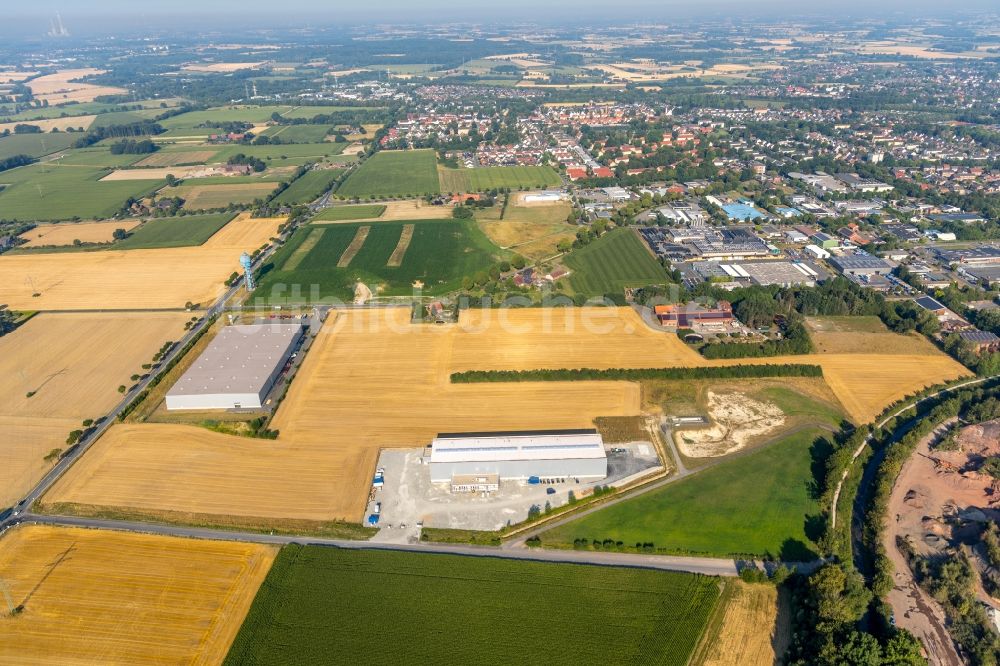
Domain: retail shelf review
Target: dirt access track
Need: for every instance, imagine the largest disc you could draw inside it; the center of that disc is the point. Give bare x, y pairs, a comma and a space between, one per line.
102, 597
373, 380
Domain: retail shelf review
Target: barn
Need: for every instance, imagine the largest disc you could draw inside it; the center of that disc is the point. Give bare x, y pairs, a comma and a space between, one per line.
237, 369
519, 455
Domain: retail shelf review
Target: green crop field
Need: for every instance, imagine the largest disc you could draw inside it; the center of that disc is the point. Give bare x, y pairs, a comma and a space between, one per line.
313, 111
341, 213
125, 117
490, 178
295, 154
49, 192
759, 504
309, 186
97, 156
35, 145
392, 173
298, 133
223, 114
83, 109
182, 231
371, 606
440, 254
616, 260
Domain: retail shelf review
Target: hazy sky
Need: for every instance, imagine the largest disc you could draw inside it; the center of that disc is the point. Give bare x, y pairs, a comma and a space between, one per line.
27, 17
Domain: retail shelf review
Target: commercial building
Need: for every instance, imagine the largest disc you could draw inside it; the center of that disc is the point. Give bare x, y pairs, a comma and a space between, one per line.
237, 369
781, 273
473, 461
692, 313
860, 264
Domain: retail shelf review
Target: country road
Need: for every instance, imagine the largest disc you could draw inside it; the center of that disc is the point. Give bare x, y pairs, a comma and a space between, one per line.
697, 565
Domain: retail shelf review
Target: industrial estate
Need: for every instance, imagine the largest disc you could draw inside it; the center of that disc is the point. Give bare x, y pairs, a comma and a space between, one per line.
662, 343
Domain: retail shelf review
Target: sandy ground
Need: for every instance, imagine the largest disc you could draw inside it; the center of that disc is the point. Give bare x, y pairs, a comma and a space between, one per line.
67, 233
753, 631
105, 597
916, 494
115, 279
61, 87
48, 125
371, 380
736, 421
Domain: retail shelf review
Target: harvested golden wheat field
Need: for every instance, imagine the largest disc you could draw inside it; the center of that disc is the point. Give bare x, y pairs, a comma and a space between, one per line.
102, 597
63, 87
74, 363
27, 440
67, 233
49, 124
752, 632
115, 279
865, 383
371, 380
244, 233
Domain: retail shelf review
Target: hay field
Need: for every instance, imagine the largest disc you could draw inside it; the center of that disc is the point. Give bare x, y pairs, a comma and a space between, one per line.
115, 279
49, 124
117, 598
847, 335
62, 87
75, 362
208, 197
244, 232
371, 380
748, 629
531, 229
27, 440
66, 234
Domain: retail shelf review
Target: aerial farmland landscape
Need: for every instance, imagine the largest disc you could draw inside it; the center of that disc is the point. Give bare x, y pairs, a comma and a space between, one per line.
449, 334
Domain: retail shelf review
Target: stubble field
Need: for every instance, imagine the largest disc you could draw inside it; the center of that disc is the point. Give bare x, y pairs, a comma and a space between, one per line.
400, 395
115, 279
749, 628
66, 234
73, 363
106, 597
319, 467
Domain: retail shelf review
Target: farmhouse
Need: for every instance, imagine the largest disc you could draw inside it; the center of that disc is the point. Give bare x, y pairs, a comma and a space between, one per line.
693, 313
237, 369
475, 460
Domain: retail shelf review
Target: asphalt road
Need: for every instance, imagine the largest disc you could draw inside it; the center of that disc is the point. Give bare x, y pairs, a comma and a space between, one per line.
706, 566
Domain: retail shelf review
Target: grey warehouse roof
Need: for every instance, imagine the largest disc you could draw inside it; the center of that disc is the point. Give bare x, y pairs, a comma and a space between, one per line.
239, 360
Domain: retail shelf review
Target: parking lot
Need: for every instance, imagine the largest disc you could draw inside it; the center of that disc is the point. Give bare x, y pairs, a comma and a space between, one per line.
408, 498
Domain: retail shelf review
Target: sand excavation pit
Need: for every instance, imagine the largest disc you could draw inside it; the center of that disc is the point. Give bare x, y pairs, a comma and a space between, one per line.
736, 421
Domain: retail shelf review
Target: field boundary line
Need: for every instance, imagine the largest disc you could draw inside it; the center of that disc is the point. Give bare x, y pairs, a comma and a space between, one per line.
359, 240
